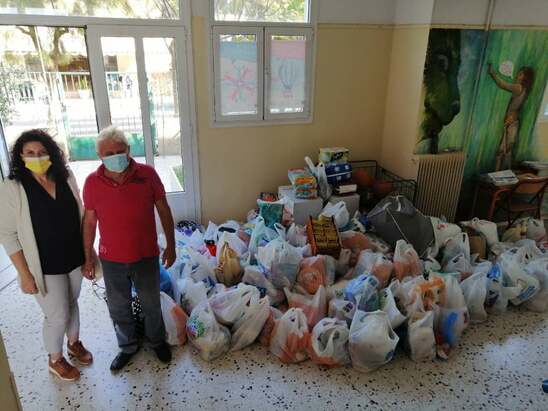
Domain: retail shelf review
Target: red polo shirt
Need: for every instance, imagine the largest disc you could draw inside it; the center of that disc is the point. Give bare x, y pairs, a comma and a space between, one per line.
125, 212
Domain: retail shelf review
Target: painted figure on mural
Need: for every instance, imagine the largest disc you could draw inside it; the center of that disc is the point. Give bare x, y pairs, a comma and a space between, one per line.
442, 95
520, 88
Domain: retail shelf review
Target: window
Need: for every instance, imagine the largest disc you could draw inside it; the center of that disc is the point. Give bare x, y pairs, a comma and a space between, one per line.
280, 11
262, 61
145, 9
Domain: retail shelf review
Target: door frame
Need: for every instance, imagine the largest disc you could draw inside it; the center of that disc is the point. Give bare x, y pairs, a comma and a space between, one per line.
4, 154
94, 33
184, 23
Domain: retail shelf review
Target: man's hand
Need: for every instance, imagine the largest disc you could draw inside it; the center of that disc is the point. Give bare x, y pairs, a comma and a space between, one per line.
168, 257
28, 285
88, 270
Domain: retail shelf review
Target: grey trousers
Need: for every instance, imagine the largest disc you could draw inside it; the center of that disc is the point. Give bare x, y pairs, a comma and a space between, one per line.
60, 308
119, 278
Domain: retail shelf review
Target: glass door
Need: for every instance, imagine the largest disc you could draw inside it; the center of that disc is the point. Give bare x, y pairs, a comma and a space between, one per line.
45, 83
140, 84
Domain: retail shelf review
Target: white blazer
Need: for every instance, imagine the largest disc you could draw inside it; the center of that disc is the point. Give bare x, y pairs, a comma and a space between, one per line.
16, 231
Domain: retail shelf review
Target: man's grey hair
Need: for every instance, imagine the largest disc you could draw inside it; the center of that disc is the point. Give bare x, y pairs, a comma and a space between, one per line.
112, 133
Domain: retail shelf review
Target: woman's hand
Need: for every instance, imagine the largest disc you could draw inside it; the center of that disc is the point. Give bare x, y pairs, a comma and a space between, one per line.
28, 285
88, 270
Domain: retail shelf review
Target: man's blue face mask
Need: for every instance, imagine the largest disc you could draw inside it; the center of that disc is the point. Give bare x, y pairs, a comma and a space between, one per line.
116, 163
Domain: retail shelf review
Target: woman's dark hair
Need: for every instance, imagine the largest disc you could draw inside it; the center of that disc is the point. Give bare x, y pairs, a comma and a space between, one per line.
58, 170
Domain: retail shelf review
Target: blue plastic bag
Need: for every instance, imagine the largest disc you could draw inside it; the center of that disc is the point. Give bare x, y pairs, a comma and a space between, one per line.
165, 282
362, 291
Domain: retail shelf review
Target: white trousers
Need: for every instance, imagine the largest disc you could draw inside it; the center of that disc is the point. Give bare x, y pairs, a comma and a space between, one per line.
60, 308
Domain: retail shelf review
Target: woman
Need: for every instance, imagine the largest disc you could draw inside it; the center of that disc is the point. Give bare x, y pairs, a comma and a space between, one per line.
520, 88
40, 229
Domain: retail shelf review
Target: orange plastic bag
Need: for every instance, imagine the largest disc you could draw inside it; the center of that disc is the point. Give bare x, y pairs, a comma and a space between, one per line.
175, 320
431, 292
290, 337
355, 242
313, 306
266, 332
313, 272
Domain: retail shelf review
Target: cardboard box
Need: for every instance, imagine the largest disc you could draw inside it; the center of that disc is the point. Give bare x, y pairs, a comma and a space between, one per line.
302, 208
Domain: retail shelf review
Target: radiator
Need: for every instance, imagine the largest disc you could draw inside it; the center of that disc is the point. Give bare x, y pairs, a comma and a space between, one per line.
439, 180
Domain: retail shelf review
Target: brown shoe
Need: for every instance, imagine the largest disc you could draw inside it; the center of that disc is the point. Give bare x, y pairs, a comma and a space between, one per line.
63, 369
78, 351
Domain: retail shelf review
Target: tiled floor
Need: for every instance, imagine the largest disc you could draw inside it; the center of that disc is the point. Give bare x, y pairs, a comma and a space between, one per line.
500, 365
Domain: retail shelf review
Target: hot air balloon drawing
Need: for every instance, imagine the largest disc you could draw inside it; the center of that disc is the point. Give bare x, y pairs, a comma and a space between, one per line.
288, 74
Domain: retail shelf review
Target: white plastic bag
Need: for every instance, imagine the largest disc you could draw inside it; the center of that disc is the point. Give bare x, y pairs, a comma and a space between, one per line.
253, 275
539, 270
199, 268
421, 342
487, 228
474, 289
229, 306
376, 264
290, 337
329, 343
296, 235
387, 303
453, 317
512, 264
313, 306
191, 293
498, 293
342, 265
341, 310
406, 261
442, 232
459, 264
234, 242
324, 188
337, 290
211, 232
281, 261
536, 230
246, 330
175, 320
372, 341
459, 244
204, 332
338, 211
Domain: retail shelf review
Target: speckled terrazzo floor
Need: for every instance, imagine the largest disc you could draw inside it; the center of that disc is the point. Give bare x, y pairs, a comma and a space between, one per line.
499, 365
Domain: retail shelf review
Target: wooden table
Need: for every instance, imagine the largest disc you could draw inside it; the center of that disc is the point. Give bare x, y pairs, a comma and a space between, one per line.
494, 192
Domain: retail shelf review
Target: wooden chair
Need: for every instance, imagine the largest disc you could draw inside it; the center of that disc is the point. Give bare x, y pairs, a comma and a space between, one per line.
514, 203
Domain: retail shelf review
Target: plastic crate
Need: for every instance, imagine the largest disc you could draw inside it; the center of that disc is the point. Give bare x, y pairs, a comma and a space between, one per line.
399, 186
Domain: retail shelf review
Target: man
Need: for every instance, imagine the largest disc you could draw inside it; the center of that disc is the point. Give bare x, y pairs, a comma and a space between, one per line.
121, 196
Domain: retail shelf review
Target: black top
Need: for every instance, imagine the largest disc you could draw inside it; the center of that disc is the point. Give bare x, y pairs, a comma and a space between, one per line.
56, 225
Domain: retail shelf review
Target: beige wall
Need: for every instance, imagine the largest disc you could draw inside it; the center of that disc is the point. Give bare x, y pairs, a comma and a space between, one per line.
542, 137
403, 101
352, 67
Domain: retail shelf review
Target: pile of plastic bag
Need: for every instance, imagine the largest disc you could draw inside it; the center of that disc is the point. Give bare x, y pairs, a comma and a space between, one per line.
239, 283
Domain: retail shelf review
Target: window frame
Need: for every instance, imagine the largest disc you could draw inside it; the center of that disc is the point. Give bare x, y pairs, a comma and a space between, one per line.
242, 30
273, 31
217, 121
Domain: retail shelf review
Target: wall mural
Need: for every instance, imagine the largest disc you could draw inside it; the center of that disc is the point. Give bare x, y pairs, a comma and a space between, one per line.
482, 94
